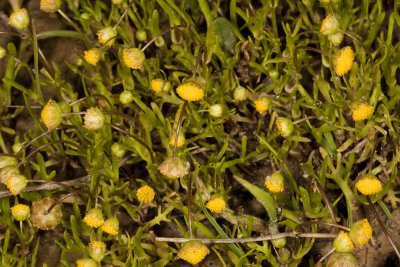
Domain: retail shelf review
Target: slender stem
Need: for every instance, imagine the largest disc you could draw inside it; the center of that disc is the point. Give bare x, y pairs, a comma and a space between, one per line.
73, 24
324, 197
158, 35
246, 239
90, 96
178, 127
324, 257
325, 223
189, 204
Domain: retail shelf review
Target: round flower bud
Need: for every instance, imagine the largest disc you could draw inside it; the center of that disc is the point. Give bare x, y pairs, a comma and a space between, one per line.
361, 111
275, 182
94, 218
368, 184
343, 60
111, 226
145, 194
343, 243
361, 232
157, 85
330, 25
285, 126
97, 250
261, 104
19, 19
86, 263
16, 183
159, 42
193, 252
92, 56
126, 97
16, 147
216, 204
336, 39
174, 168
94, 119
107, 36
7, 172
44, 218
181, 139
338, 259
118, 150
51, 115
3, 52
20, 212
133, 58
50, 5
6, 161
216, 110
279, 243
190, 92
141, 35
239, 94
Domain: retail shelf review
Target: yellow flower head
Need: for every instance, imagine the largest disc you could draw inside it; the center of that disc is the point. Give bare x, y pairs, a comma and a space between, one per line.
19, 19
92, 56
20, 212
51, 115
145, 194
133, 58
369, 185
190, 92
181, 139
193, 252
343, 243
216, 204
174, 168
50, 5
261, 104
361, 111
275, 182
344, 60
361, 232
97, 250
157, 85
87, 262
111, 226
94, 218
330, 25
16, 183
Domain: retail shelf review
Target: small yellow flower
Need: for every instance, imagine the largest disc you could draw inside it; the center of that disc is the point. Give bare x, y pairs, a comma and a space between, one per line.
344, 60
16, 183
157, 85
20, 212
193, 252
261, 104
275, 182
145, 194
50, 5
174, 168
92, 56
190, 92
361, 232
216, 204
111, 226
51, 115
107, 36
181, 140
19, 19
133, 58
361, 111
343, 243
369, 185
94, 218
97, 250
330, 25
87, 262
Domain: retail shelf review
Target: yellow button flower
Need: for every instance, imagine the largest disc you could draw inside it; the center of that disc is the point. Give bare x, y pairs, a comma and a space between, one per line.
145, 194
261, 104
92, 56
343, 60
216, 204
193, 252
190, 92
157, 85
94, 218
19, 19
361, 232
50, 5
133, 58
275, 182
343, 243
111, 226
361, 111
51, 115
16, 183
369, 185
20, 212
330, 25
97, 250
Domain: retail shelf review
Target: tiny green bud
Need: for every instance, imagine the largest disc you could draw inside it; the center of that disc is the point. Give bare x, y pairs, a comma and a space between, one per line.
126, 97
216, 110
118, 150
19, 19
94, 119
16, 147
239, 94
141, 35
3, 52
20, 212
285, 126
343, 243
107, 36
159, 42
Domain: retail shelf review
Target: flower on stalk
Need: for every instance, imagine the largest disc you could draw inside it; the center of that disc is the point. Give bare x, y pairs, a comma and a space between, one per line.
19, 19
133, 58
285, 126
107, 36
50, 6
216, 204
157, 85
343, 243
190, 92
174, 168
51, 115
86, 262
193, 252
94, 119
361, 111
94, 218
16, 183
330, 25
20, 212
368, 184
343, 61
275, 182
97, 250
361, 232
111, 226
261, 104
145, 194
44, 218
92, 56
